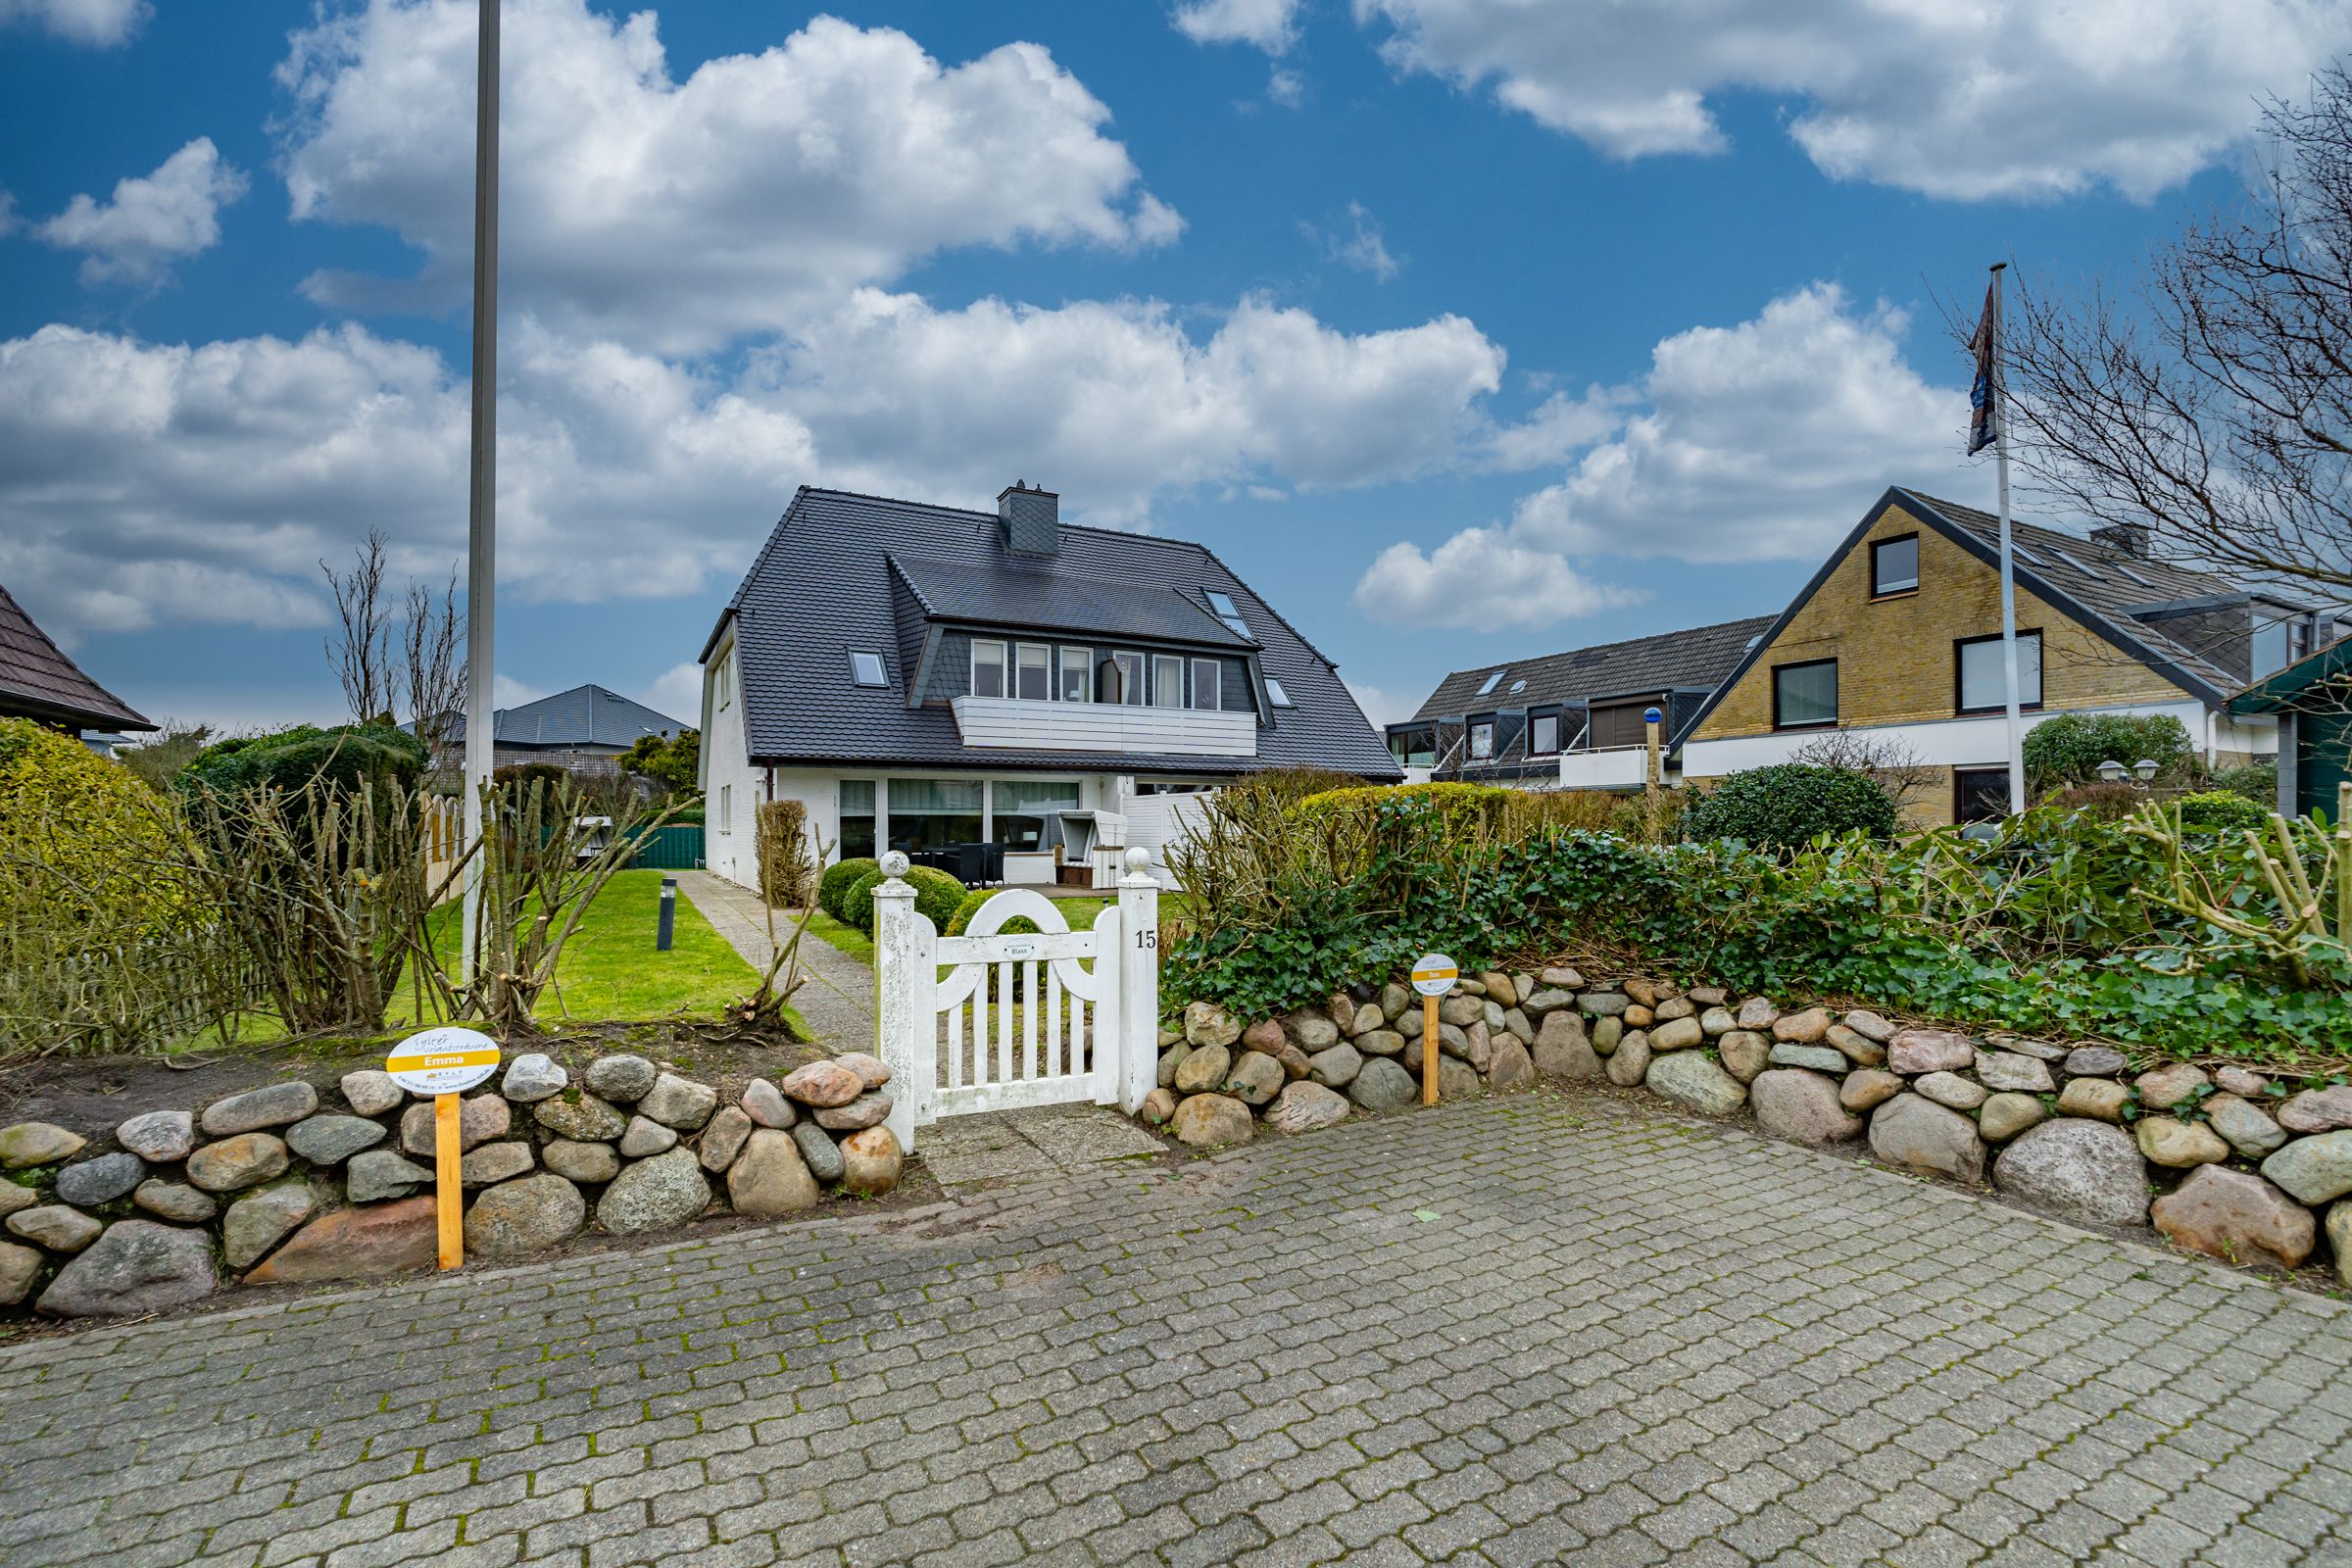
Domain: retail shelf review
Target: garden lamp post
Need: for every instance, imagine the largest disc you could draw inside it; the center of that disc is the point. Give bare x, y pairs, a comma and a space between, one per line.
2112, 772
2145, 768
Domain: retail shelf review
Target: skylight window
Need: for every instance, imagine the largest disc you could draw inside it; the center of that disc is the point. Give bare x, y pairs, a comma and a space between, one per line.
2077, 564
1493, 682
865, 669
1275, 694
1518, 686
1227, 611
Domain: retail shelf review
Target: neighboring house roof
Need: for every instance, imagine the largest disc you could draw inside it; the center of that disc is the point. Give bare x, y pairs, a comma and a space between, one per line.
2104, 588
2323, 673
39, 681
1693, 660
841, 571
585, 715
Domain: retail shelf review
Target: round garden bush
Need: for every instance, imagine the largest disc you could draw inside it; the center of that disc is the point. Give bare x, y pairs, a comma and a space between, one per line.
2220, 811
841, 876
1788, 806
857, 904
936, 894
961, 920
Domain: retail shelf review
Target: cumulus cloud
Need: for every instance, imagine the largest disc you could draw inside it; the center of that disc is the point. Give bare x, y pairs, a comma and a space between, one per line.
1759, 441
677, 693
151, 221
1382, 705
1362, 245
151, 483
98, 23
1480, 579
1982, 99
1268, 25
681, 214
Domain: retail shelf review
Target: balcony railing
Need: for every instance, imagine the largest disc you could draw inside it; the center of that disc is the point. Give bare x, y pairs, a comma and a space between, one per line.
1017, 725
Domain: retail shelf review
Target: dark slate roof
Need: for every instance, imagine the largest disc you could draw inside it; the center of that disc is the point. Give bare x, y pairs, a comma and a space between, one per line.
2116, 585
825, 582
1695, 659
1026, 591
39, 681
585, 715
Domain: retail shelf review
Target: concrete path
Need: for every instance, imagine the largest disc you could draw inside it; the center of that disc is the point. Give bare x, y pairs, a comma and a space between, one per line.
839, 999
1536, 1329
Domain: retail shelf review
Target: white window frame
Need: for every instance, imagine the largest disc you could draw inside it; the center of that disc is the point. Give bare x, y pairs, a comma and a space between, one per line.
1216, 686
1020, 663
726, 807
1277, 694
1532, 750
1061, 673
1004, 666
1481, 740
1160, 696
726, 678
881, 670
1136, 693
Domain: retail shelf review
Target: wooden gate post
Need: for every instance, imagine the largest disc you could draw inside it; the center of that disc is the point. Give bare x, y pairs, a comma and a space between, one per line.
906, 1014
1138, 982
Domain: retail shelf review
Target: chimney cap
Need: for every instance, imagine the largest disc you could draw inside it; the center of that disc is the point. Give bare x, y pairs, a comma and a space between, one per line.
1024, 487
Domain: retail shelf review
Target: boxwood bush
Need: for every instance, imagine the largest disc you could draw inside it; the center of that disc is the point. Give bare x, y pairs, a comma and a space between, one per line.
2222, 812
1789, 806
936, 894
961, 920
834, 886
857, 904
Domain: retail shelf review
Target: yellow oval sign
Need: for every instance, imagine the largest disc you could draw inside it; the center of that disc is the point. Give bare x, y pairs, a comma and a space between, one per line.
443, 1061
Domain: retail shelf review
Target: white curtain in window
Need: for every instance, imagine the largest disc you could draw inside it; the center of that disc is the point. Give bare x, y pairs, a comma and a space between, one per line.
934, 797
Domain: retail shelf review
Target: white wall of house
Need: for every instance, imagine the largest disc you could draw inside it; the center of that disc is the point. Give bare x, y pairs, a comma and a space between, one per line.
730, 784
1973, 742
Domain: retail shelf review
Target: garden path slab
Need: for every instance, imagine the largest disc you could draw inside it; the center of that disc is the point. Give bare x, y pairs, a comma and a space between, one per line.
838, 1002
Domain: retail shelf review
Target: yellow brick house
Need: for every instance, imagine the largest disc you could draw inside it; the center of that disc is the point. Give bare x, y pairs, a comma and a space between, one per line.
1898, 639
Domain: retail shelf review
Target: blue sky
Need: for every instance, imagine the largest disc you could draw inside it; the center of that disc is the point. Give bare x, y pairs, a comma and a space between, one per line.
1463, 330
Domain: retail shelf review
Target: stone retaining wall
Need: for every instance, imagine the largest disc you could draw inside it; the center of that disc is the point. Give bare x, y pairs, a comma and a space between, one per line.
2226, 1162
280, 1185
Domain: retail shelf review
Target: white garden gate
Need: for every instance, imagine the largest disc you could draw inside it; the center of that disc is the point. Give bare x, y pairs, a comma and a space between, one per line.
994, 1021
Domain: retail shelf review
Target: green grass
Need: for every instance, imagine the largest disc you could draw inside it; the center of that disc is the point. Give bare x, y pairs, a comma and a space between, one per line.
848, 938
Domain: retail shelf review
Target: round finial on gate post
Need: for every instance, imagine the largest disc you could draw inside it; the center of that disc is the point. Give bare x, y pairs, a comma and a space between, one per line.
1139, 859
894, 864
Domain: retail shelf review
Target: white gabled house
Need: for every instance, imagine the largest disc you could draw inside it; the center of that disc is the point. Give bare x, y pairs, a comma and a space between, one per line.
935, 679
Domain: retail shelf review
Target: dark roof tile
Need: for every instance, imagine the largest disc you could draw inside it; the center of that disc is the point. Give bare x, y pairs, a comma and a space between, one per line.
39, 681
1693, 660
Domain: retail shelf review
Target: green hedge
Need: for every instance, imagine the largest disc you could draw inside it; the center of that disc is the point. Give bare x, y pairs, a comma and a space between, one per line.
961, 920
2222, 812
936, 895
857, 904
2069, 749
289, 758
834, 886
1789, 806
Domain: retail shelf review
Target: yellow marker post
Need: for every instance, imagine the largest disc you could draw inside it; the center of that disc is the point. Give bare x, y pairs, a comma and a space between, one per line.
444, 1064
1434, 974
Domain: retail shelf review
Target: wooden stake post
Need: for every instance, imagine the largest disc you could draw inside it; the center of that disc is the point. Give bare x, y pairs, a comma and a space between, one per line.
1434, 974
444, 1064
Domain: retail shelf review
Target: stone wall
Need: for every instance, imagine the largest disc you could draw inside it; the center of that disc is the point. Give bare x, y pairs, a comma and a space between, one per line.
282, 1184
2226, 1162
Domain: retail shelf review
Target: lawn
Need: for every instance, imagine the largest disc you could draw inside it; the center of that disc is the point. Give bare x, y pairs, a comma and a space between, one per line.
1079, 912
610, 970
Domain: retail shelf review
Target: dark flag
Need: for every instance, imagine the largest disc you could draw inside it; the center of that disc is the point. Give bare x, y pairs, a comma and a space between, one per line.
1982, 428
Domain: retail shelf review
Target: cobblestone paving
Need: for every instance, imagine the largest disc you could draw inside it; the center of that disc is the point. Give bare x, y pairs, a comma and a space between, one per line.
1521, 1331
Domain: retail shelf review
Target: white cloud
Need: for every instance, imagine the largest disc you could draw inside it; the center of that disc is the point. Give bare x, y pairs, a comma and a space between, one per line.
1381, 706
681, 214
152, 220
678, 692
1268, 25
99, 23
1972, 99
1760, 441
1482, 579
508, 692
1286, 87
151, 483
1364, 246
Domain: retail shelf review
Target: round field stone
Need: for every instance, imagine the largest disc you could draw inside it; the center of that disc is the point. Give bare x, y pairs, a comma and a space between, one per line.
262, 1219
161, 1137
1691, 1079
2244, 1124
533, 1076
37, 1142
1913, 1051
270, 1106
622, 1080
1304, 1107
1563, 1052
1206, 1023
1820, 1058
1791, 1102
1868, 1089
1209, 1121
576, 1162
2101, 1097
2318, 1110
1255, 1079
2011, 1071
822, 1084
1950, 1088
1335, 1067
372, 1091
1511, 1068
55, 1226
2235, 1217
517, 1218
1745, 1052
723, 1138
818, 1152
871, 1162
1205, 1069
236, 1163
872, 1070
1917, 1134
646, 1138
331, 1140
2096, 1061
175, 1200
2167, 1087
479, 1120
100, 1181
765, 1105
1383, 1085
2006, 1114
375, 1174
586, 1120
493, 1163
356, 1243
2077, 1169
869, 1109
136, 1267
655, 1193
2313, 1170
681, 1102
769, 1177
1629, 1063
2170, 1142
19, 1267
1677, 1033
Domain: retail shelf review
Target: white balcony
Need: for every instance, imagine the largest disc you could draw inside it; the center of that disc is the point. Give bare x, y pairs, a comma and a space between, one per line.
1014, 725
1620, 768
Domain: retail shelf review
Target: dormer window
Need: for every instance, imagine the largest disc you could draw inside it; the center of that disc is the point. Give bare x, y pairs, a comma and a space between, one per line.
1481, 740
1033, 673
988, 667
865, 669
1227, 611
1493, 682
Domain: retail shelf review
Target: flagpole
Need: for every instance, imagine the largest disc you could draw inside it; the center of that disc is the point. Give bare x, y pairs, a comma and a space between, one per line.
482, 510
2001, 447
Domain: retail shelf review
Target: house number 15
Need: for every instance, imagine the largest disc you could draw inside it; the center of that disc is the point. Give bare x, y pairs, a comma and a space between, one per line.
1147, 940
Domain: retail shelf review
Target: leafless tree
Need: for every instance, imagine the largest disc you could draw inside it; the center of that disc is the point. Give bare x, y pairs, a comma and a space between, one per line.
361, 645
432, 636
1890, 763
2208, 405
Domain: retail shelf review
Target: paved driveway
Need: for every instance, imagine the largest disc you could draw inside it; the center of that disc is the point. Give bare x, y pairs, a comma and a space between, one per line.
1530, 1330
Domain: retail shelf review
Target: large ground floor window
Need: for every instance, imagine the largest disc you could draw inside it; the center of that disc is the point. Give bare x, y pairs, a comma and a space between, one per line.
1026, 811
856, 818
930, 813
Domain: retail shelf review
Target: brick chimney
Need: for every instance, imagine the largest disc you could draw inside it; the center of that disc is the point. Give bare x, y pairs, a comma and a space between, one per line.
2131, 538
1030, 520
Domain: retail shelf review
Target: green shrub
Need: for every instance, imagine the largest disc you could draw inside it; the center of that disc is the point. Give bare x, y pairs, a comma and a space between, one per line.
961, 920
2101, 802
1790, 804
2069, 749
1456, 807
857, 904
2220, 811
346, 756
834, 886
936, 894
521, 775
2256, 781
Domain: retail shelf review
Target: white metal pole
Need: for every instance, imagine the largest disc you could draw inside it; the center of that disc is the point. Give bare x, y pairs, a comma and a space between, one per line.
482, 502
2001, 447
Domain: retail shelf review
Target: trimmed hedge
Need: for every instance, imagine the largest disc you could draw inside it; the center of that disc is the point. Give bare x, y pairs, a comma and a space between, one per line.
961, 920
2220, 811
345, 755
1788, 806
2069, 749
1456, 808
833, 887
936, 894
857, 904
